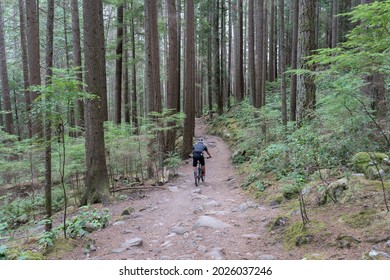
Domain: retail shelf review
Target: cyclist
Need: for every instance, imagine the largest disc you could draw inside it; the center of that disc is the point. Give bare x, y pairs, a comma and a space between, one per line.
197, 155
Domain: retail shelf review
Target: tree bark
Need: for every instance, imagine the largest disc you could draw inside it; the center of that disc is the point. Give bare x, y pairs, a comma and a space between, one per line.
118, 66
172, 65
306, 89
335, 23
23, 43
33, 57
376, 89
239, 75
271, 62
217, 62
47, 126
134, 99
251, 52
189, 80
282, 60
96, 179
294, 63
9, 123
259, 53
77, 59
152, 82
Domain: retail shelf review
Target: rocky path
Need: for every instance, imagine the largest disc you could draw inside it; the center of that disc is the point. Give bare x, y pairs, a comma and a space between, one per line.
216, 220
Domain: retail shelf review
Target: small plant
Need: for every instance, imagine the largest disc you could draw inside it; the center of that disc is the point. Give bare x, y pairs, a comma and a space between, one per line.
87, 221
80, 226
172, 161
47, 238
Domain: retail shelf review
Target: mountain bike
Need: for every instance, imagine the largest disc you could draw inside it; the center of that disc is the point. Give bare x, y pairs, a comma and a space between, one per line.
198, 174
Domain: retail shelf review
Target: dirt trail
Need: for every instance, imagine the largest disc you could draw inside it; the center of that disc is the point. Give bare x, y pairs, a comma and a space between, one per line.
216, 220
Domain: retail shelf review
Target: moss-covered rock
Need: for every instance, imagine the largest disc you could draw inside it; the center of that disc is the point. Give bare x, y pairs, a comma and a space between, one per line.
361, 161
61, 247
375, 173
127, 211
297, 235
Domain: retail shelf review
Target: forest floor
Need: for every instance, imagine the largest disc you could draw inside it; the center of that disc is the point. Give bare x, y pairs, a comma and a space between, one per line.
216, 220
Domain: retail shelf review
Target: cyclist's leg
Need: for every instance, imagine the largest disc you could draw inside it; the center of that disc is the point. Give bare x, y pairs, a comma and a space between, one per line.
194, 162
202, 161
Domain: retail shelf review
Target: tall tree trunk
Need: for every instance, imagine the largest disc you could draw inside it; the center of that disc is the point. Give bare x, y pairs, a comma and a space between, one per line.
223, 55
96, 179
335, 23
9, 123
134, 111
118, 66
217, 64
209, 68
179, 46
271, 62
77, 59
23, 43
251, 52
71, 114
306, 89
126, 88
189, 80
172, 80
259, 53
376, 89
153, 87
239, 75
294, 62
47, 121
345, 25
282, 60
229, 87
33, 56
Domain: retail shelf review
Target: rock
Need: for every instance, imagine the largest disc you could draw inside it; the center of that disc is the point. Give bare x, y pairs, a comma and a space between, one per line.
388, 243
118, 223
171, 235
247, 205
370, 163
202, 249
133, 242
357, 175
373, 173
119, 250
374, 254
334, 191
179, 230
166, 244
215, 254
173, 189
127, 211
211, 203
266, 257
196, 191
345, 242
198, 210
210, 222
216, 213
361, 161
251, 236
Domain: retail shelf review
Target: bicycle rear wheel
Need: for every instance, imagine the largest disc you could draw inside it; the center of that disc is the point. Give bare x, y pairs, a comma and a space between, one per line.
196, 177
